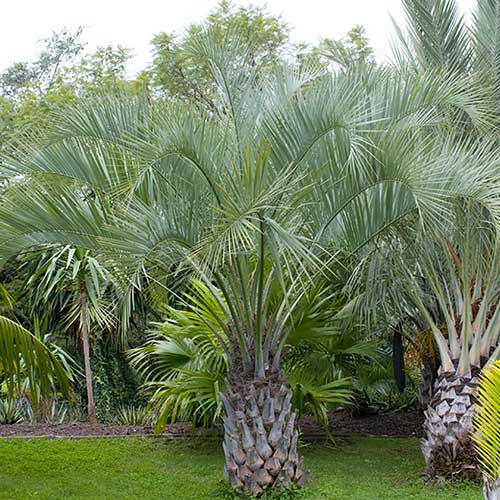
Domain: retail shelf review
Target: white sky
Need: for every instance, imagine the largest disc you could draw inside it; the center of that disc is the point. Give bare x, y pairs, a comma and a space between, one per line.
132, 23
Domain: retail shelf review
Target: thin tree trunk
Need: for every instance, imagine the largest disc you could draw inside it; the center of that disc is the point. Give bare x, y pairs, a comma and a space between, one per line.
447, 445
84, 332
260, 435
491, 489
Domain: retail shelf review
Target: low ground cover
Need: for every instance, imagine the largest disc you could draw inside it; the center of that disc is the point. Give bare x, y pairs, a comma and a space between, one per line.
189, 469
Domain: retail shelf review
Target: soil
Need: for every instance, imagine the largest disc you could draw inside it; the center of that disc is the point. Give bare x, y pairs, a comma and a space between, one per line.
402, 424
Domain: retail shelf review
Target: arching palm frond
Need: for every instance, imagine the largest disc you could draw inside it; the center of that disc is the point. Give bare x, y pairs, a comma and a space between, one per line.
23, 355
487, 422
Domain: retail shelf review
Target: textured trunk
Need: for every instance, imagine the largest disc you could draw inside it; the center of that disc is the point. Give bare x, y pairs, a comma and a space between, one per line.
491, 489
84, 331
447, 445
260, 435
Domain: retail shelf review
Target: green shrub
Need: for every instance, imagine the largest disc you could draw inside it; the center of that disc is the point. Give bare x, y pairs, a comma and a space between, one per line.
134, 415
11, 411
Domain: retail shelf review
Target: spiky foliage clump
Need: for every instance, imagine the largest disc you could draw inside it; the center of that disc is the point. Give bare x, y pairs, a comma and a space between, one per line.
134, 415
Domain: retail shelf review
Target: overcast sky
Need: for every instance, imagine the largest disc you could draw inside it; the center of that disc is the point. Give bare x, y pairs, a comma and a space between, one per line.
132, 23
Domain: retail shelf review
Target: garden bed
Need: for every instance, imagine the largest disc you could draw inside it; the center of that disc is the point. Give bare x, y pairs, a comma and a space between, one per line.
402, 424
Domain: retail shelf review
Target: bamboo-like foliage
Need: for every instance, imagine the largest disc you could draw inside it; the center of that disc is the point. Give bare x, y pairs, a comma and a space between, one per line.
487, 422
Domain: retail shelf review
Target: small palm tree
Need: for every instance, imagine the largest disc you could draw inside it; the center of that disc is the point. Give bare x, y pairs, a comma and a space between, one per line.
487, 429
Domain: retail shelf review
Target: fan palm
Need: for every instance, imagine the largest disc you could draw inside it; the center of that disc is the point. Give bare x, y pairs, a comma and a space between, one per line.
297, 172
185, 367
487, 427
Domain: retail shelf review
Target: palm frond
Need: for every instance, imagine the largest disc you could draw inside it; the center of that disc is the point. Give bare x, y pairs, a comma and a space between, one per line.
23, 355
487, 421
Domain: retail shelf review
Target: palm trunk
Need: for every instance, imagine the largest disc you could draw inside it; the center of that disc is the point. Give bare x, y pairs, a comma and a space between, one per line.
447, 445
84, 332
491, 490
260, 435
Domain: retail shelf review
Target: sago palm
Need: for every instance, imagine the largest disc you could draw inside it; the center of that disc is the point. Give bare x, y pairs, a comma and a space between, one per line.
296, 173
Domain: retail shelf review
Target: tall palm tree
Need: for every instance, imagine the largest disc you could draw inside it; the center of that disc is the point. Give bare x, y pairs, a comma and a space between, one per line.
72, 279
295, 173
438, 37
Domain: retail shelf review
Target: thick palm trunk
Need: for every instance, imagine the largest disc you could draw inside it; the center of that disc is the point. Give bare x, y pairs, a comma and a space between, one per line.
260, 438
447, 445
491, 490
84, 332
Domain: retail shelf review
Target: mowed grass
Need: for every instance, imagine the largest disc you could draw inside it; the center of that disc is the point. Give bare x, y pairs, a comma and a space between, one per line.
154, 469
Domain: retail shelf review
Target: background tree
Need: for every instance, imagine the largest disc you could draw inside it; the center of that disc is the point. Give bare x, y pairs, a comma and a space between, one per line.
179, 72
61, 74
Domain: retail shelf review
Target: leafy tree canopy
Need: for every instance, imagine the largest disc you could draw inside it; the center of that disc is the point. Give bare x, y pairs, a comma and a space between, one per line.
177, 70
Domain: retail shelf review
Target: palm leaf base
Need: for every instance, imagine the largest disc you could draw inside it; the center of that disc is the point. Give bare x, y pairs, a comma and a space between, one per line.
260, 441
491, 489
447, 445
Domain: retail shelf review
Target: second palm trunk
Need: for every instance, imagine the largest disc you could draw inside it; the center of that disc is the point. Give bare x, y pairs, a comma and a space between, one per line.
447, 445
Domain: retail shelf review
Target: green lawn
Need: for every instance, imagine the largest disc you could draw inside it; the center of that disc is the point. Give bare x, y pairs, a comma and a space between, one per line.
152, 469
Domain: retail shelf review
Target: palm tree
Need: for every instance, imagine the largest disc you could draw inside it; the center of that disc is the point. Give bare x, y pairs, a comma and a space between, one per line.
76, 282
487, 429
462, 278
450, 279
438, 37
295, 173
